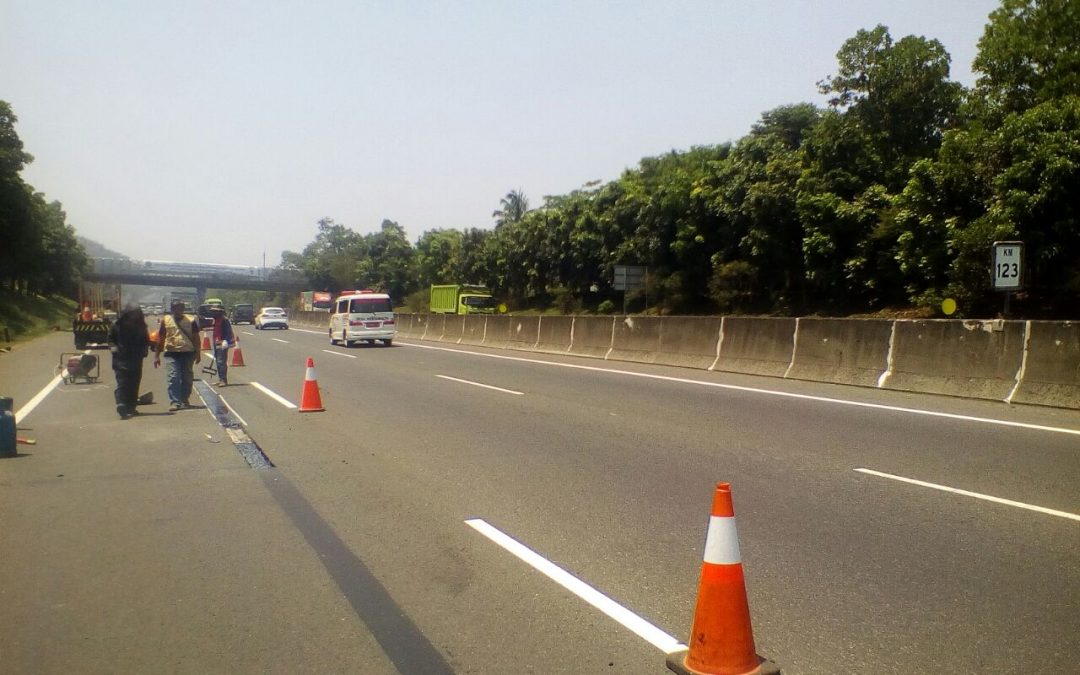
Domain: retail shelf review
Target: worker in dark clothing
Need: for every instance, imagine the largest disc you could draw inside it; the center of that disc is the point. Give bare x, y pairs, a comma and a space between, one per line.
223, 339
129, 342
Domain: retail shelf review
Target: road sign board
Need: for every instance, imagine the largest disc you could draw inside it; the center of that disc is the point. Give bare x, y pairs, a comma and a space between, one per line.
629, 277
1008, 265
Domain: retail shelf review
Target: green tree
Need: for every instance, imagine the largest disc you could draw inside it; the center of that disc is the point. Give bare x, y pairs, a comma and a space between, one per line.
1028, 55
898, 93
513, 208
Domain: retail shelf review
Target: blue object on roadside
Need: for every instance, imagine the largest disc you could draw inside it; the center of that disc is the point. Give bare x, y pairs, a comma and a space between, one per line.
7, 427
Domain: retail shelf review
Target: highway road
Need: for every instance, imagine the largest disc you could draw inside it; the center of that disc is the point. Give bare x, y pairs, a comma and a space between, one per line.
880, 532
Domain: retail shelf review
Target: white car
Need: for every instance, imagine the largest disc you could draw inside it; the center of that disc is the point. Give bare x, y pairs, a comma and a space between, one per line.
271, 317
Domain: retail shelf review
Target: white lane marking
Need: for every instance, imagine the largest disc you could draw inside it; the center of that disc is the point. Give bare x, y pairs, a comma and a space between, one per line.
976, 495
624, 616
339, 353
38, 398
280, 399
280, 340
303, 330
767, 392
485, 386
245, 332
231, 409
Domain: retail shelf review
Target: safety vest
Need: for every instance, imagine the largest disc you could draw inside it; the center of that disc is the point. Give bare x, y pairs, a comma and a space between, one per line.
175, 341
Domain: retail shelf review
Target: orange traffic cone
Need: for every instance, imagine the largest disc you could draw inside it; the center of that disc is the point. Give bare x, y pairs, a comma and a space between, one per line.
237, 357
310, 401
206, 343
721, 640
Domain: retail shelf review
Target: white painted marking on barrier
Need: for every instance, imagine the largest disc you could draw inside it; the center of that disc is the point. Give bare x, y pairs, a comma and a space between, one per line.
765, 392
722, 542
38, 398
611, 342
280, 399
280, 340
329, 351
639, 626
1023, 363
976, 495
794, 347
719, 344
485, 386
889, 359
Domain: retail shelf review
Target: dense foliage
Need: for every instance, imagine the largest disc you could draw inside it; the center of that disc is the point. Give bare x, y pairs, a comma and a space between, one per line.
888, 198
39, 253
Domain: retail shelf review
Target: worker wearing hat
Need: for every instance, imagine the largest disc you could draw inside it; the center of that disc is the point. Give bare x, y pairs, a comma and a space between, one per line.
223, 339
178, 340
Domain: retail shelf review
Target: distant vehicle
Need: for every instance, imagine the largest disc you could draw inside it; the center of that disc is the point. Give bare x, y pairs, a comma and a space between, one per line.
315, 301
362, 317
461, 299
242, 313
271, 317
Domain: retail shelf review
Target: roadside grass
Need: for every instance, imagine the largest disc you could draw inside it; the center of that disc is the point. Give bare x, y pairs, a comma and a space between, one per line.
24, 317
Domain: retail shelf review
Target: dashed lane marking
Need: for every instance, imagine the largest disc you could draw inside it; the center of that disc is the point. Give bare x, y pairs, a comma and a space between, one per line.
967, 493
280, 399
485, 386
624, 616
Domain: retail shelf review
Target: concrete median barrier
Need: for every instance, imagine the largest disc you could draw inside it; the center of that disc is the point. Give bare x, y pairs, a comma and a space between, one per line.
688, 341
636, 338
404, 323
497, 334
432, 326
554, 334
453, 328
592, 336
1051, 372
524, 332
756, 346
843, 351
472, 330
974, 359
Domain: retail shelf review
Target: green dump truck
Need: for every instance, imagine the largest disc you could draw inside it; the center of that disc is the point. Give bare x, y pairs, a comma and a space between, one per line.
460, 299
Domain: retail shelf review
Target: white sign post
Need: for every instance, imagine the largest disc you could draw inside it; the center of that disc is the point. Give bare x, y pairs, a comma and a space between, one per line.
1008, 268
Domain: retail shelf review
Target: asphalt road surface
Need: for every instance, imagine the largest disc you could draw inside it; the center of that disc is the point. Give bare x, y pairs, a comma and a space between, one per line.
880, 532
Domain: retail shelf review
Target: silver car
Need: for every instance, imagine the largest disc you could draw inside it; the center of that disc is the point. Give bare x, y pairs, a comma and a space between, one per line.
271, 317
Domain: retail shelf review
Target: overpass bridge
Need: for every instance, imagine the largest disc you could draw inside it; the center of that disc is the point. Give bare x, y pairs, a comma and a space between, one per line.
199, 276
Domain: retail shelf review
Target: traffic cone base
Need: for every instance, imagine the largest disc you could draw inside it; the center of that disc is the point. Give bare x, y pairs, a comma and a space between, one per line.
310, 401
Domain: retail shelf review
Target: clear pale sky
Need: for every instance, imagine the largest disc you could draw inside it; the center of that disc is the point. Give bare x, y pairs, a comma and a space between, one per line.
217, 131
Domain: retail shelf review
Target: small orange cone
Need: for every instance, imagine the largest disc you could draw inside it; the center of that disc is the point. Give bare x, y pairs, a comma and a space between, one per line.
310, 401
237, 357
206, 343
721, 640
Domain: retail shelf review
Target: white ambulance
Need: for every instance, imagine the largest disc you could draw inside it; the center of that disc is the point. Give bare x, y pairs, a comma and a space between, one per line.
362, 316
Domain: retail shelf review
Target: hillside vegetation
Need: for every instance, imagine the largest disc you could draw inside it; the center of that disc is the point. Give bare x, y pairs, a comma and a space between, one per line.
23, 316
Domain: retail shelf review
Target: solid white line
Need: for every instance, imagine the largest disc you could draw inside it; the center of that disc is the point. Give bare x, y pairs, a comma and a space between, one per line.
624, 616
339, 353
304, 330
976, 495
767, 392
280, 340
38, 398
485, 386
280, 399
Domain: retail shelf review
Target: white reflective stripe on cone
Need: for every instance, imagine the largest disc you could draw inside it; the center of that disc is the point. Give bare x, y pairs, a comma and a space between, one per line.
722, 542
309, 375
